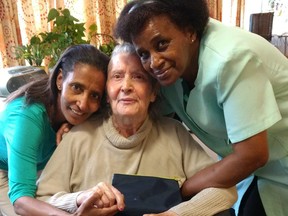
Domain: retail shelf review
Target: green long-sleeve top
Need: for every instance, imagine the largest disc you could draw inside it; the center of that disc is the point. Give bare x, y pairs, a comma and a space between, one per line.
27, 141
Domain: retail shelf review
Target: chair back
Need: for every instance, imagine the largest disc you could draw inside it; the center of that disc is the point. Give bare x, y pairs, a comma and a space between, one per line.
261, 24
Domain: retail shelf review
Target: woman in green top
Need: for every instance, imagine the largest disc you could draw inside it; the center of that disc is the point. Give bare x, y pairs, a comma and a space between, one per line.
35, 112
229, 86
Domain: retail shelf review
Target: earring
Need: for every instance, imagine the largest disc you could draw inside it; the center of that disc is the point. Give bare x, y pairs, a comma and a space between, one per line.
192, 40
59, 87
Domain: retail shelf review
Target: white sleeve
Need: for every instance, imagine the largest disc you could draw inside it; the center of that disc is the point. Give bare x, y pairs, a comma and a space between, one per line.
209, 201
65, 201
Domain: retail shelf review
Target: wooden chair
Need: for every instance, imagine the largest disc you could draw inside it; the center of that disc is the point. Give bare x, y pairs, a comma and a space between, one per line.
261, 24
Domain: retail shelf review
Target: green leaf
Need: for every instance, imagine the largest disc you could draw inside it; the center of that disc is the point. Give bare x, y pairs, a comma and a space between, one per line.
66, 12
35, 40
73, 19
93, 27
53, 13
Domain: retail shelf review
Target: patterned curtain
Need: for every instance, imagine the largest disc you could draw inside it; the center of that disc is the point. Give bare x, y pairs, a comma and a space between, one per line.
215, 9
9, 32
20, 20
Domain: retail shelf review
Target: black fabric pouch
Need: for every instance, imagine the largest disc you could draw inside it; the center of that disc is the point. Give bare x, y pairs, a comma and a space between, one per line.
146, 194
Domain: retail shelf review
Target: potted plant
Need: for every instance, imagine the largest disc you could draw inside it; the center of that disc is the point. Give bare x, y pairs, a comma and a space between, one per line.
34, 52
95, 38
66, 31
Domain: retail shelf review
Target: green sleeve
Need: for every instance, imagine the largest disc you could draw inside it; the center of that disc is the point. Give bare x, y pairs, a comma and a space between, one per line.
25, 134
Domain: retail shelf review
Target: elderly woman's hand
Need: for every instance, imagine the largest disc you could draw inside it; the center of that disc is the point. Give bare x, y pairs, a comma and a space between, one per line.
105, 195
166, 213
88, 208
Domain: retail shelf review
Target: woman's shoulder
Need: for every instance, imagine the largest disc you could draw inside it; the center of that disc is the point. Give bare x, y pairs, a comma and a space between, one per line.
84, 134
19, 106
226, 42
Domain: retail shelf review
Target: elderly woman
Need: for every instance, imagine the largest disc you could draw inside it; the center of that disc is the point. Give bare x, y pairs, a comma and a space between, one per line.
130, 140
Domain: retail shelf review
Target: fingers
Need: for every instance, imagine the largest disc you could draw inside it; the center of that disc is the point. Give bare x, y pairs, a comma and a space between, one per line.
108, 198
110, 211
101, 196
90, 200
119, 199
88, 207
84, 195
101, 193
65, 128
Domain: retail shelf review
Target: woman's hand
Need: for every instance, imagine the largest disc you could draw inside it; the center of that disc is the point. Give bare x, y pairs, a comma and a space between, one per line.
166, 213
88, 208
104, 196
65, 128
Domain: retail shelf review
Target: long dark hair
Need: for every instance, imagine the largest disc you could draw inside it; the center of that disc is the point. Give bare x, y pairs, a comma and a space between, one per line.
45, 90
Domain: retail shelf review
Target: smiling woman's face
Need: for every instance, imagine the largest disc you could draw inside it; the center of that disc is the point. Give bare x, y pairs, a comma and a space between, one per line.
129, 87
80, 93
164, 50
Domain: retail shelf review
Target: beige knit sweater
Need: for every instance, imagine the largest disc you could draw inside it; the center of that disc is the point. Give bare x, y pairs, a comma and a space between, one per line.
92, 152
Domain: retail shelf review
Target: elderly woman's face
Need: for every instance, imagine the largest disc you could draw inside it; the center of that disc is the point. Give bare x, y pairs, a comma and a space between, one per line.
129, 87
165, 51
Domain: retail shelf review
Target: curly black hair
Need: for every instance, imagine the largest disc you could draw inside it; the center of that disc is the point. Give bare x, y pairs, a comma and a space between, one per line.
193, 14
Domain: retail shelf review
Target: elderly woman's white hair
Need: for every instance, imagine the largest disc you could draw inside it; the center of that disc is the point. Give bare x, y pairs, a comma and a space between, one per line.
124, 47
